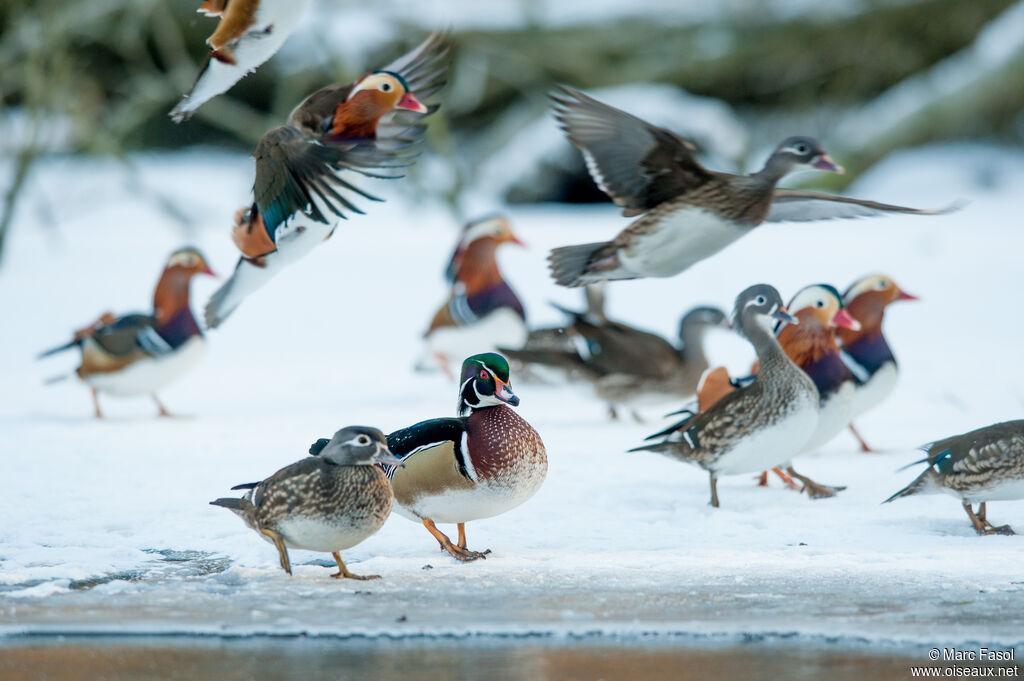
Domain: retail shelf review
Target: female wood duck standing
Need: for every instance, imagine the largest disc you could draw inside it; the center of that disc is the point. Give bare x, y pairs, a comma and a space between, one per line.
327, 502
249, 33
482, 311
983, 465
307, 170
865, 350
759, 426
689, 213
138, 354
479, 465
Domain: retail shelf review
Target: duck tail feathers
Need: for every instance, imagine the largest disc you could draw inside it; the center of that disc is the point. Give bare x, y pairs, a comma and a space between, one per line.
569, 264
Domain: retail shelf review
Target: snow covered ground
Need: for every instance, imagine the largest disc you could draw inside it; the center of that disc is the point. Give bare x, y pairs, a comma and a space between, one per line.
106, 526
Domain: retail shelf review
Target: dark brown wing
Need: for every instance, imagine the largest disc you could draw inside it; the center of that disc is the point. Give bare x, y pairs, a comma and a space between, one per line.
129, 334
796, 205
635, 163
296, 173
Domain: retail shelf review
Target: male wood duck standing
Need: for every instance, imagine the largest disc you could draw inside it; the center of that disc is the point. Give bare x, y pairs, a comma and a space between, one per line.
482, 311
481, 464
308, 169
138, 354
983, 465
249, 33
327, 502
689, 213
759, 426
865, 350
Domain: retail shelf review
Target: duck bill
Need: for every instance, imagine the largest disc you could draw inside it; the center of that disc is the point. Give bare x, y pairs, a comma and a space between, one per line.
903, 295
207, 270
503, 392
845, 320
385, 456
783, 316
518, 242
410, 103
825, 162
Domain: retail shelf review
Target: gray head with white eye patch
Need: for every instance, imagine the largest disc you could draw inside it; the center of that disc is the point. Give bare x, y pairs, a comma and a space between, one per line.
757, 307
801, 152
356, 446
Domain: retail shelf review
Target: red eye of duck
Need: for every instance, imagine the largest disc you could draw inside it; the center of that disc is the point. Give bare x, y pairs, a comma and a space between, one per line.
483, 375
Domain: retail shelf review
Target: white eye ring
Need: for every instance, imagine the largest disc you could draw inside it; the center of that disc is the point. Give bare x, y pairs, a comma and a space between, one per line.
801, 148
760, 300
882, 285
385, 87
362, 440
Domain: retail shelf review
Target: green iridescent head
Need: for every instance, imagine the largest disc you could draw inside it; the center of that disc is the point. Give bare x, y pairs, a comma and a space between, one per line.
485, 383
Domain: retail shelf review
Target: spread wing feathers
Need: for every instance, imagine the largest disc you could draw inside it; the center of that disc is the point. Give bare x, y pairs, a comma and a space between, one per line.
424, 67
426, 435
296, 173
637, 164
796, 205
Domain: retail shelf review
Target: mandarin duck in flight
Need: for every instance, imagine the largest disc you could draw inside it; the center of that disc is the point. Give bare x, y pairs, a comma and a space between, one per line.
983, 465
249, 33
327, 502
481, 464
307, 171
865, 350
760, 425
688, 213
482, 311
138, 354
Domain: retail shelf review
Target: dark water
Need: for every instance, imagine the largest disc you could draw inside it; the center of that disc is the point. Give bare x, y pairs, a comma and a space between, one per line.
268, 659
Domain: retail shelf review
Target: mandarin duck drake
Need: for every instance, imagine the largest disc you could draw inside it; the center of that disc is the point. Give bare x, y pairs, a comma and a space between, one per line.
307, 170
327, 502
983, 465
249, 33
138, 354
760, 425
481, 464
629, 366
689, 213
482, 310
865, 350
811, 345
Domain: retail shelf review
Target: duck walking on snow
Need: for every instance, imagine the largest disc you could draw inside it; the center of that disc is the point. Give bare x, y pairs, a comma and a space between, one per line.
759, 426
481, 464
138, 354
983, 465
689, 213
327, 502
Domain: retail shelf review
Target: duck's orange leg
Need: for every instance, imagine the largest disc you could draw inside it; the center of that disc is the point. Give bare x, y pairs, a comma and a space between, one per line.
96, 403
456, 552
864, 446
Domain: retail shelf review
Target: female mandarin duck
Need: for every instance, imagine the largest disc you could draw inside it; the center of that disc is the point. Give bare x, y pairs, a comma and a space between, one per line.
689, 212
628, 366
479, 465
759, 426
983, 465
865, 350
327, 502
811, 345
482, 311
138, 354
249, 33
306, 170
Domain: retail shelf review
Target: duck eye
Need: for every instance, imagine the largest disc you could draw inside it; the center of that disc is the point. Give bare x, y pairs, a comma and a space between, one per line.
882, 285
801, 149
819, 303
385, 87
363, 440
484, 375
760, 300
